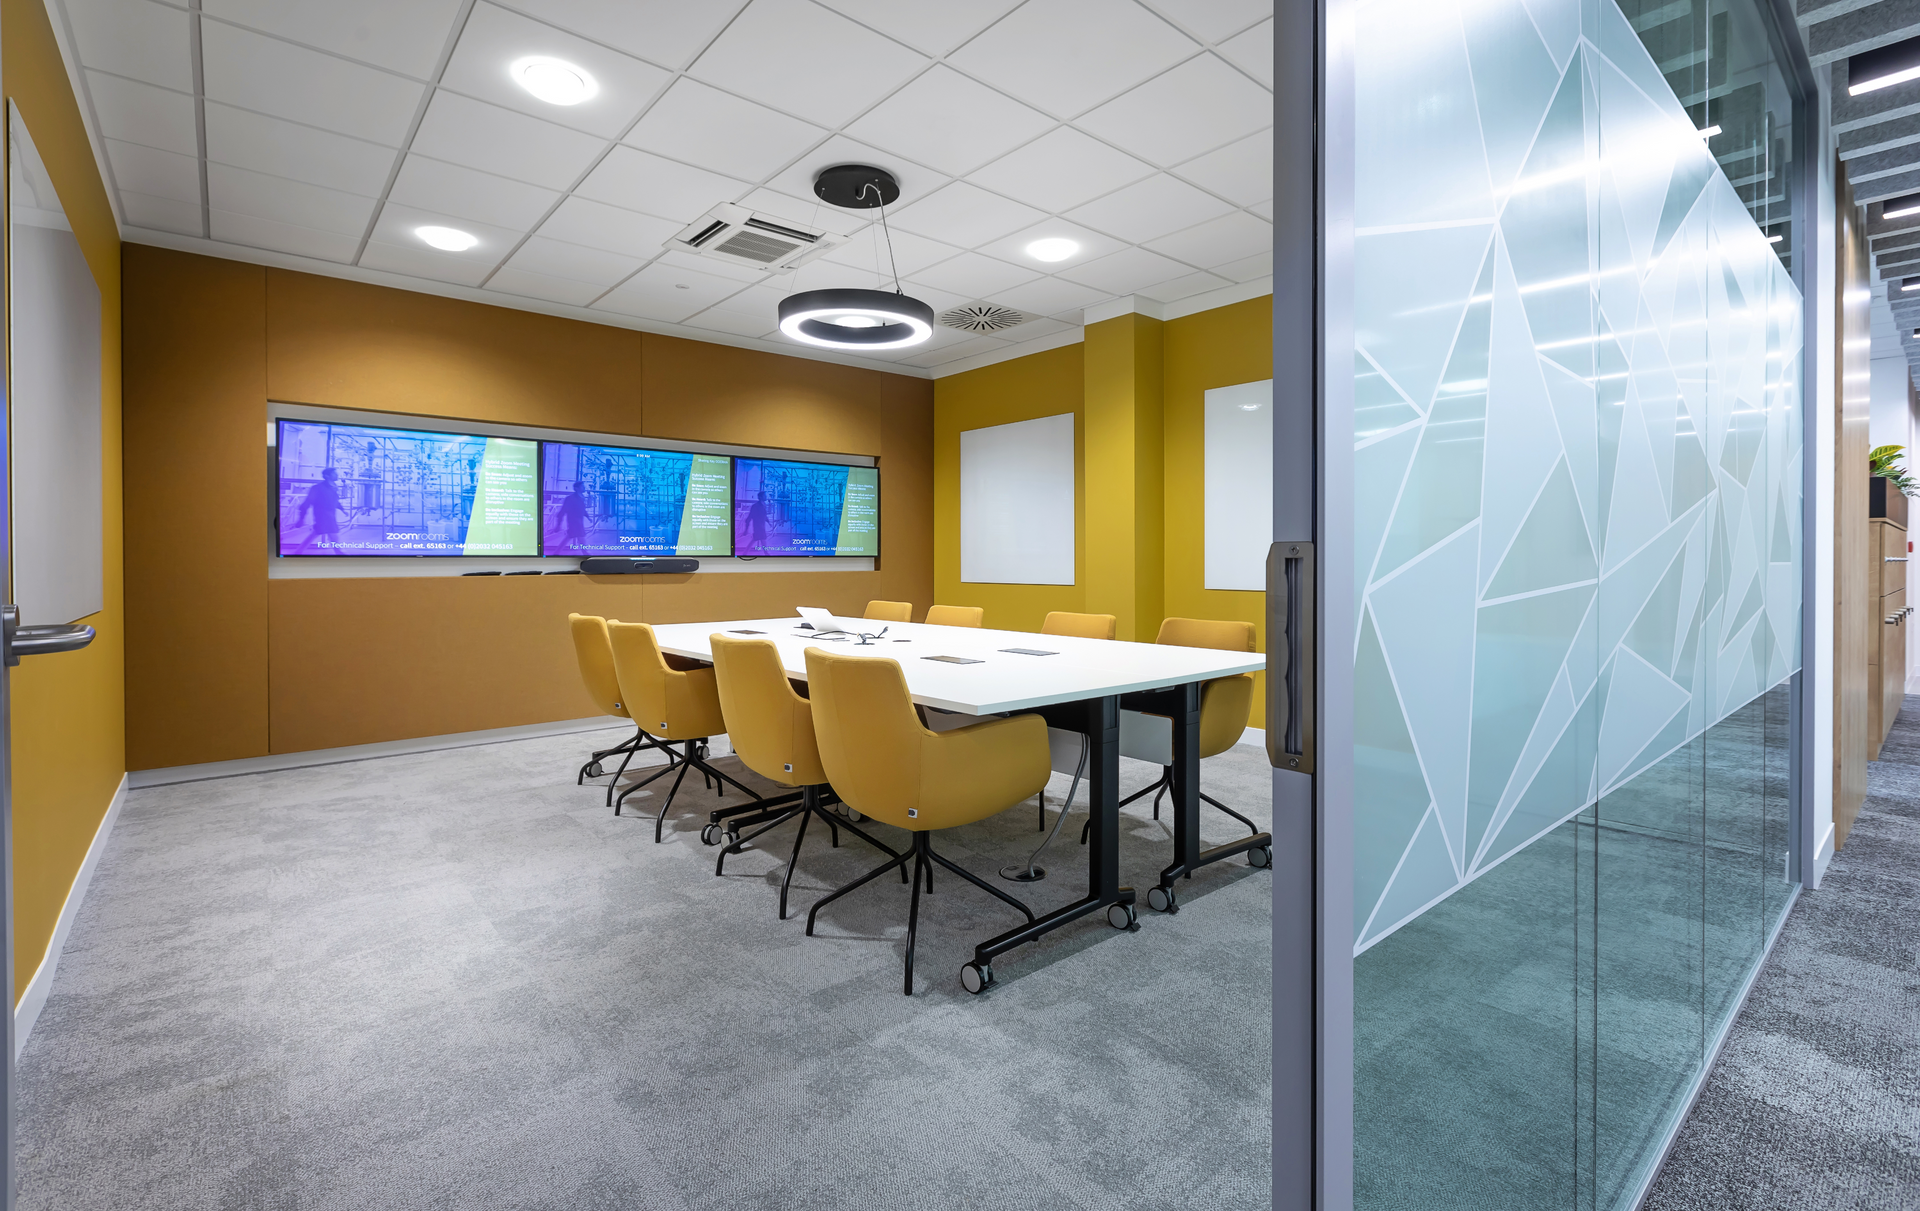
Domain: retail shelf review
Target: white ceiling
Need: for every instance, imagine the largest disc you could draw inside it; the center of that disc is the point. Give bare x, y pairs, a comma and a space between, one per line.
321, 135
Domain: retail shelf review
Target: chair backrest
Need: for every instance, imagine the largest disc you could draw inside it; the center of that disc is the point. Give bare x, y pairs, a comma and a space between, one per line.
1227, 702
770, 726
1207, 633
890, 611
595, 654
642, 671
1086, 626
955, 616
870, 738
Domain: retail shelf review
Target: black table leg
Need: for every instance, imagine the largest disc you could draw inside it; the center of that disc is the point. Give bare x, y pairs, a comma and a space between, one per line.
1181, 704
1099, 720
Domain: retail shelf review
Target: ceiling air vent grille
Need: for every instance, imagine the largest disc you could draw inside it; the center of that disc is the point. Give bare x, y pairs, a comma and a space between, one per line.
734, 233
983, 317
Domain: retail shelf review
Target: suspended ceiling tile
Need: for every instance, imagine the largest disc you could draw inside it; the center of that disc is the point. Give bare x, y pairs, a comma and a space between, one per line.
1050, 296
1037, 330
508, 280
1146, 210
639, 180
397, 225
283, 201
667, 32
949, 122
966, 215
160, 214
1212, 20
557, 259
907, 252
500, 141
1196, 107
667, 292
301, 153
1217, 241
1247, 269
1252, 52
746, 275
700, 125
1241, 172
597, 225
1129, 271
147, 42
796, 180
1060, 170
1263, 209
273, 77
424, 262
806, 60
737, 323
405, 37
1186, 287
467, 193
256, 232
163, 174
1092, 244
494, 39
141, 113
933, 29
975, 275
971, 345
1066, 56
758, 304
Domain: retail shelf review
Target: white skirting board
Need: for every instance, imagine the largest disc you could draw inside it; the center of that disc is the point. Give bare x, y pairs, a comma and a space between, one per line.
366, 752
34, 997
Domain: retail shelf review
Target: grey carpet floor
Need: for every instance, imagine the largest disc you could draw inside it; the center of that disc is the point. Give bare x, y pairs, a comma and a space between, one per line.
1815, 1100
455, 980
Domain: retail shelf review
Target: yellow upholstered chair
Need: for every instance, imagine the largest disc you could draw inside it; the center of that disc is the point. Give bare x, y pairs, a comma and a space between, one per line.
771, 728
955, 616
889, 611
674, 701
1085, 626
884, 762
595, 654
1226, 703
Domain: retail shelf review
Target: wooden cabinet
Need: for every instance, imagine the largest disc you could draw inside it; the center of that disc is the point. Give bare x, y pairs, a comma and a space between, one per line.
1887, 650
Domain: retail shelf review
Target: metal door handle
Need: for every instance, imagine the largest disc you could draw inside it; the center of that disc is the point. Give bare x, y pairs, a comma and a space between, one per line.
18, 641
1896, 559
1291, 593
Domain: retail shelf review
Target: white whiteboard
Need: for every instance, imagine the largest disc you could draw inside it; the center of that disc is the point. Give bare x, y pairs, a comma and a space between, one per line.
1016, 502
1239, 485
54, 417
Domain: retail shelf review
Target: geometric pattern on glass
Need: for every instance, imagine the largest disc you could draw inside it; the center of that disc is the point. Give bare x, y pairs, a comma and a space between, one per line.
1577, 436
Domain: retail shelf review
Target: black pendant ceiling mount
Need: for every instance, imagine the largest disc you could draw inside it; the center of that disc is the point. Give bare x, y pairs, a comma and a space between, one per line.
856, 186
854, 319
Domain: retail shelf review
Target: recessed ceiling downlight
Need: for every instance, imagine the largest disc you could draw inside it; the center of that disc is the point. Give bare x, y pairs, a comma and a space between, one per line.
555, 81
855, 319
447, 239
1053, 248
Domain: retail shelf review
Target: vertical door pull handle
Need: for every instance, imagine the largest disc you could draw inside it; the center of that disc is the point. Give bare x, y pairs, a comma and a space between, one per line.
1291, 593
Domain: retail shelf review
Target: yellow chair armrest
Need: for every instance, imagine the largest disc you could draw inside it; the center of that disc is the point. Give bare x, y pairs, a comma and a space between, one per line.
974, 772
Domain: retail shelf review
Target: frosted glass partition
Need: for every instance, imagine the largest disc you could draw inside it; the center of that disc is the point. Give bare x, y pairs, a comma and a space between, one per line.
1577, 372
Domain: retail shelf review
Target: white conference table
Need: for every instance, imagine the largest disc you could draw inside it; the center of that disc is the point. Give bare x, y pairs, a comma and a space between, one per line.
1078, 686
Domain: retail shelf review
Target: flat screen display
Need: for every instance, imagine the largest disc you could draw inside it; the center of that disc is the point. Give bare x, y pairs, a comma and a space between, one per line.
615, 500
793, 508
364, 490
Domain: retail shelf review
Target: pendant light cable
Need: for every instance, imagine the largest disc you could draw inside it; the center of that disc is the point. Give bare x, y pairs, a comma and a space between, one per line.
889, 234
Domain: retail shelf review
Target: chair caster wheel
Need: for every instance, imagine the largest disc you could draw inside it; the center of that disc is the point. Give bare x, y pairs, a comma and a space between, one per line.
710, 835
848, 814
593, 770
1261, 858
975, 978
1162, 899
1123, 916
733, 838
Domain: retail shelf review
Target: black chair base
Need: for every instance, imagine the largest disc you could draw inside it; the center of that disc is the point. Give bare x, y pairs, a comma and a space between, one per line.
813, 802
1159, 789
924, 858
693, 755
628, 747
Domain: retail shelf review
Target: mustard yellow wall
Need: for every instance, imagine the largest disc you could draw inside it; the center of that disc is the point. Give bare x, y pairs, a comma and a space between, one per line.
1042, 384
1137, 389
69, 711
1218, 348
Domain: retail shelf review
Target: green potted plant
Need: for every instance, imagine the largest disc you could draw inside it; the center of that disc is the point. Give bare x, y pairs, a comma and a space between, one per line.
1885, 469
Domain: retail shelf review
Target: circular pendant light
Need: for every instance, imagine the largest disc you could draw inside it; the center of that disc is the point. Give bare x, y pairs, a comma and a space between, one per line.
866, 320
855, 319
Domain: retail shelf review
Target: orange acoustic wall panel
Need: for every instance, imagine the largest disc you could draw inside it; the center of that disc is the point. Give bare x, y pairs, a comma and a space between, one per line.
323, 662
